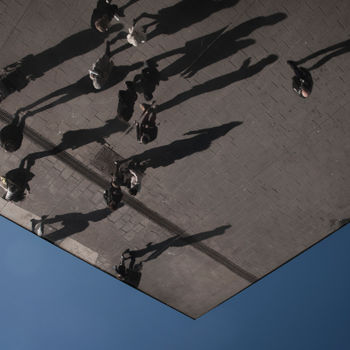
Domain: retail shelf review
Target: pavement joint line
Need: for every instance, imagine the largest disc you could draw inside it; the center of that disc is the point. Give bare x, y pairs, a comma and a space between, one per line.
134, 203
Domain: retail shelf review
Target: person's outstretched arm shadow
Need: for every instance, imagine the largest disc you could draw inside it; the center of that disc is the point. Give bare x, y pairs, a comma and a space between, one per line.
189, 53
72, 223
158, 248
74, 139
21, 177
82, 87
195, 56
229, 43
221, 82
76, 44
168, 154
338, 49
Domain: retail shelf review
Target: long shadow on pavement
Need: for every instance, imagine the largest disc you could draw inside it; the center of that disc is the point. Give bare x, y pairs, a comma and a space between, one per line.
165, 155
74, 139
183, 14
222, 45
156, 249
75, 45
244, 72
72, 223
338, 49
81, 87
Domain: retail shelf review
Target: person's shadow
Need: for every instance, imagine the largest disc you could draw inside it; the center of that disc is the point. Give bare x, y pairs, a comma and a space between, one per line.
183, 14
74, 139
156, 249
81, 87
244, 72
165, 155
72, 223
11, 135
220, 45
77, 44
334, 51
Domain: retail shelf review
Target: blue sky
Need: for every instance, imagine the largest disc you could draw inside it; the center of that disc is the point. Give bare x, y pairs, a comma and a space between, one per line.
51, 300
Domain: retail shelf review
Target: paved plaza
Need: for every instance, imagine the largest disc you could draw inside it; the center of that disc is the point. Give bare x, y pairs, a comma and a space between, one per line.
244, 174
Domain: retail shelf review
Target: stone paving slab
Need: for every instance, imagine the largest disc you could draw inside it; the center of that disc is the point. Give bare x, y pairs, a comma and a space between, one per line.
269, 165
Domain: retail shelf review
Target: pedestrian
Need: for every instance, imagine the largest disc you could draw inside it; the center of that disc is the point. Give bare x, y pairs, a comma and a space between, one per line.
38, 225
126, 101
136, 36
113, 196
14, 182
126, 175
101, 69
147, 130
103, 15
147, 81
121, 269
302, 81
131, 274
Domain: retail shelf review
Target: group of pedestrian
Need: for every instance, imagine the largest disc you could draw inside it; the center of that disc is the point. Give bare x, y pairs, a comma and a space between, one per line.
125, 172
143, 83
130, 274
13, 79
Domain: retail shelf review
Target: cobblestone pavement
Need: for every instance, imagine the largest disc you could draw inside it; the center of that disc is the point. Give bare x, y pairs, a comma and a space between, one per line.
253, 172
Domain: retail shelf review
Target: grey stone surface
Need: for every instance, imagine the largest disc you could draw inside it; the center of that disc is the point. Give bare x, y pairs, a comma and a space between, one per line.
267, 180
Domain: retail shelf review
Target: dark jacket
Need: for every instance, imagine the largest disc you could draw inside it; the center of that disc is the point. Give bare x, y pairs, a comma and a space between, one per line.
113, 195
101, 10
302, 81
147, 82
126, 102
149, 130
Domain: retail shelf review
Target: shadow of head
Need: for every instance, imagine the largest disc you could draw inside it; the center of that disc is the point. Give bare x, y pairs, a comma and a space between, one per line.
76, 138
11, 137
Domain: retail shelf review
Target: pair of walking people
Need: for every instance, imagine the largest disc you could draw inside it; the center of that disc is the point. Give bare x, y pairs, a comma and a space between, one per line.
130, 274
103, 15
125, 175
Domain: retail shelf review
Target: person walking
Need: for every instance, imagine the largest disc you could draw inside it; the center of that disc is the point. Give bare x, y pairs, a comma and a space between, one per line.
130, 274
302, 81
126, 101
147, 130
136, 36
15, 184
126, 175
101, 69
103, 14
147, 81
121, 269
113, 195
